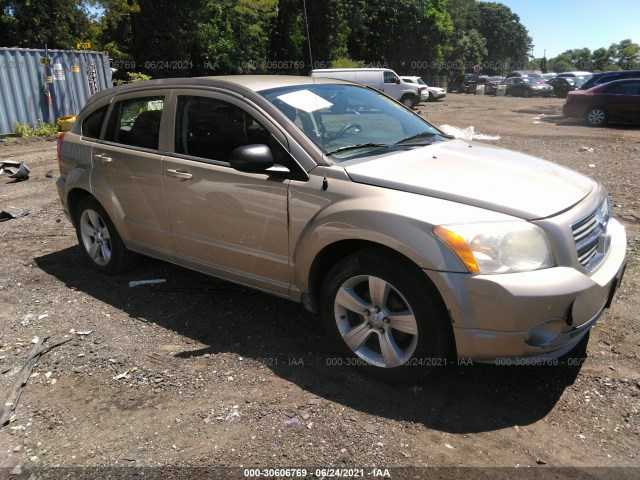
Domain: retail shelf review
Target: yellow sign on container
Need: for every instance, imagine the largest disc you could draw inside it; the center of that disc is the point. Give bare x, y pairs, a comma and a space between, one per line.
75, 69
83, 45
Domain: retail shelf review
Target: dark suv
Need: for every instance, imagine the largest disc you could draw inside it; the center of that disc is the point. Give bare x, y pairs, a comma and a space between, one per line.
464, 83
606, 77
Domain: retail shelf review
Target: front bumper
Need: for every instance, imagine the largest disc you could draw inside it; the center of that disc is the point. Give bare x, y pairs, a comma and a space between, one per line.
540, 313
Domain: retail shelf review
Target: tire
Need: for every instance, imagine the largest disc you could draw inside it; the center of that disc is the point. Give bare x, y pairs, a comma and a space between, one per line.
597, 116
99, 240
403, 348
526, 93
408, 101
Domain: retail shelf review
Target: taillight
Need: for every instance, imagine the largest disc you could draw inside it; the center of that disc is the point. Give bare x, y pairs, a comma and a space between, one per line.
59, 149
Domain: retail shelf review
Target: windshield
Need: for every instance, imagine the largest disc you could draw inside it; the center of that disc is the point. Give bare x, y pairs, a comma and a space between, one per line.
347, 120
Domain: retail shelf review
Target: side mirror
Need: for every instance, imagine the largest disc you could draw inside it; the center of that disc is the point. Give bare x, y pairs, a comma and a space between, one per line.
251, 158
398, 81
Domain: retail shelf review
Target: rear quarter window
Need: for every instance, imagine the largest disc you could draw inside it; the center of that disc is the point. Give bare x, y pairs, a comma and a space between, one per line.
92, 124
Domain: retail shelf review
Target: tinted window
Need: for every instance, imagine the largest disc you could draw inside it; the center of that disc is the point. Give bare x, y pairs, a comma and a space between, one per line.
136, 122
92, 125
389, 77
212, 129
628, 88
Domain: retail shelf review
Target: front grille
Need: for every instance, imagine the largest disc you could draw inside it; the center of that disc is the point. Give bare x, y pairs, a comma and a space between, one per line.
590, 236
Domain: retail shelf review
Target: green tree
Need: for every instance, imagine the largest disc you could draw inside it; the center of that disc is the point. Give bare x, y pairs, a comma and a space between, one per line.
35, 23
559, 64
602, 58
628, 54
507, 39
582, 59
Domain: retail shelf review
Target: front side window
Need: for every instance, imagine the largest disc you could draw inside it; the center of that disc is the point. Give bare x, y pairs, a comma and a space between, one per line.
211, 128
136, 122
389, 77
92, 125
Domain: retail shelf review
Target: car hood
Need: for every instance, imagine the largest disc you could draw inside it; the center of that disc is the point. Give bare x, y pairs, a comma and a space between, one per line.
488, 177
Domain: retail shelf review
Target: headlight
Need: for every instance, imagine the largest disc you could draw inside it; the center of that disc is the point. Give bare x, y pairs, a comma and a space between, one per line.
503, 247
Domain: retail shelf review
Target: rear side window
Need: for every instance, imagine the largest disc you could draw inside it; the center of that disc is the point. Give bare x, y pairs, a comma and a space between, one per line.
92, 125
628, 88
212, 129
136, 122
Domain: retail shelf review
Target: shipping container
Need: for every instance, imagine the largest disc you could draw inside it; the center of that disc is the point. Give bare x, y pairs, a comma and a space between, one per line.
39, 84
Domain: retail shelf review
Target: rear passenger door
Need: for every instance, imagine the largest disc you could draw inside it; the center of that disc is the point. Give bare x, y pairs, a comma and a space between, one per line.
127, 172
623, 101
225, 222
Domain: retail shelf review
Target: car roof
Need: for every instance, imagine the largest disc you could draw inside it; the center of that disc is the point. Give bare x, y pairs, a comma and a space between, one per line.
606, 86
237, 83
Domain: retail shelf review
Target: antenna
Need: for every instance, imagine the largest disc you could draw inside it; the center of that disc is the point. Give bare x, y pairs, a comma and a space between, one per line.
306, 22
325, 183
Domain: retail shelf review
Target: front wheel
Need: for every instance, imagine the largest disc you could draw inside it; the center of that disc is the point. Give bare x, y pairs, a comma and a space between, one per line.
408, 101
385, 317
99, 239
597, 116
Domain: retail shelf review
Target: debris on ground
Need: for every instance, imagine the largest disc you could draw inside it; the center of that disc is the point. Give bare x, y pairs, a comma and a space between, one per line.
11, 401
4, 215
135, 283
466, 133
17, 170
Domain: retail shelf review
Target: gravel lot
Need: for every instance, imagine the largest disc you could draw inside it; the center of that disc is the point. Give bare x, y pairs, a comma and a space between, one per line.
201, 373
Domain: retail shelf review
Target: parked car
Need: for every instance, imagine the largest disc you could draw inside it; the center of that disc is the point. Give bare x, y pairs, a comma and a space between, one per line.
526, 87
382, 79
525, 74
606, 77
422, 87
464, 83
582, 76
491, 84
563, 85
617, 101
436, 93
410, 244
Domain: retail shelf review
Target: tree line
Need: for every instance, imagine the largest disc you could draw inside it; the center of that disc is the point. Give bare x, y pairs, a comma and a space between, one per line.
165, 38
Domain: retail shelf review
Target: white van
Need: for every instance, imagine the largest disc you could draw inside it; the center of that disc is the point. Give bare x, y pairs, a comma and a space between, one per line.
382, 79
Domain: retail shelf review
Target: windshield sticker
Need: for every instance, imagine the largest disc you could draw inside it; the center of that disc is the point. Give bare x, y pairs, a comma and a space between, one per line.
305, 100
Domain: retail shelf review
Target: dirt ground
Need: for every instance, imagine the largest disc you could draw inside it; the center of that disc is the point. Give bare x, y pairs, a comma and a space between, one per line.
197, 372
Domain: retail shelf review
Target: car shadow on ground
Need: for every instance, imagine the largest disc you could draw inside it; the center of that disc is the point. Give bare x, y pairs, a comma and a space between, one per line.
458, 398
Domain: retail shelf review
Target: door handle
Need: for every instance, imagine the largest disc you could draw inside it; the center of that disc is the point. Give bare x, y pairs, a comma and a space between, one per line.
181, 174
102, 159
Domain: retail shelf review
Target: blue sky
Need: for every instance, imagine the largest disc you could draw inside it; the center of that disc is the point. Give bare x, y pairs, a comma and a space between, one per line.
559, 25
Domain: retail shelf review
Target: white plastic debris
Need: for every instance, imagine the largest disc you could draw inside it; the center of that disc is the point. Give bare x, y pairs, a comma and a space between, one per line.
467, 133
135, 283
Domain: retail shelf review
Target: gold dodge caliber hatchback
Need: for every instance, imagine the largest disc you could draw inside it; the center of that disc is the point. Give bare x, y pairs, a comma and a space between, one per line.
410, 244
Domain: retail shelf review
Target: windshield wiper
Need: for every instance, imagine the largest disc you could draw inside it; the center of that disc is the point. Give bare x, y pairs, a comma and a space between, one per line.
422, 134
354, 147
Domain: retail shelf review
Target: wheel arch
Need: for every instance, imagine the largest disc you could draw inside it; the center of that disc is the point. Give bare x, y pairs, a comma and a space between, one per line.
74, 197
335, 252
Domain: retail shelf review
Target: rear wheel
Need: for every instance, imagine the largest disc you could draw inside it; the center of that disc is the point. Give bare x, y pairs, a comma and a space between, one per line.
385, 317
99, 239
597, 116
